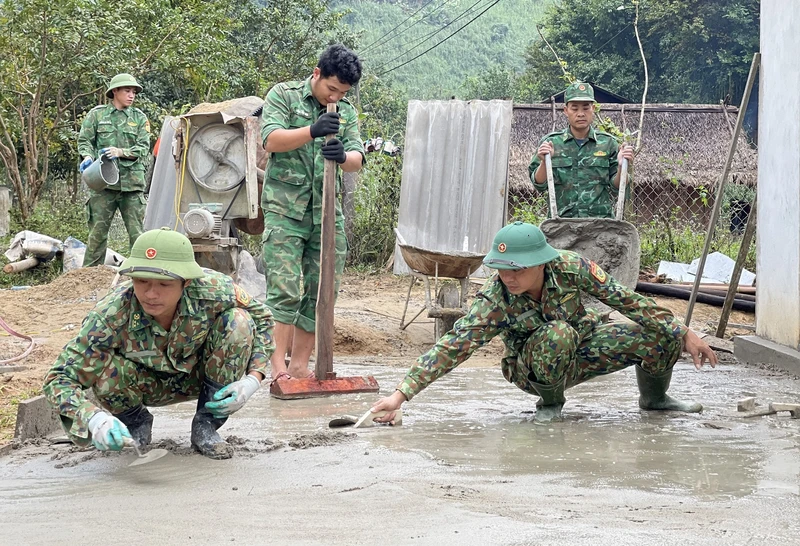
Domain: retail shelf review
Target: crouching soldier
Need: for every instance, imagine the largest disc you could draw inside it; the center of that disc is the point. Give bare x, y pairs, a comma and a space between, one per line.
552, 341
174, 332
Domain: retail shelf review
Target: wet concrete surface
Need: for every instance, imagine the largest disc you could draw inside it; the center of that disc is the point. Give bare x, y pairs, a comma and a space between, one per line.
468, 466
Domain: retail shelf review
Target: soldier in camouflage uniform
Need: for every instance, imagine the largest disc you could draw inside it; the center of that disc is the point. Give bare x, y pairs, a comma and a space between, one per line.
175, 332
585, 161
552, 341
294, 125
121, 132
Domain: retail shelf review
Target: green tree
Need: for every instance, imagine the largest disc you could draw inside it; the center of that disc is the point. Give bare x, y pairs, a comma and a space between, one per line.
697, 50
56, 57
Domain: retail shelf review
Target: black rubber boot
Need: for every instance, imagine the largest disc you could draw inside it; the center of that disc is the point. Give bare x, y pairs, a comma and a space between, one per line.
139, 422
653, 393
205, 438
550, 403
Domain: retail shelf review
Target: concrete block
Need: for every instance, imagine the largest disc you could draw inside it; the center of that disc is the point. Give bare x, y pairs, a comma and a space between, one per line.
794, 409
36, 419
757, 350
746, 404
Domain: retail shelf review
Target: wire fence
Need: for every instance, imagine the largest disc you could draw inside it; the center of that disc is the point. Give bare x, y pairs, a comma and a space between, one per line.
674, 175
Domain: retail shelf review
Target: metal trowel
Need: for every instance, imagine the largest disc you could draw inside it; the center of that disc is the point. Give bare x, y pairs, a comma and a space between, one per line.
366, 420
149, 457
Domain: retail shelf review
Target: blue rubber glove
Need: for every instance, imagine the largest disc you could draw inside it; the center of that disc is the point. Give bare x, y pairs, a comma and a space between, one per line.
108, 432
85, 164
231, 398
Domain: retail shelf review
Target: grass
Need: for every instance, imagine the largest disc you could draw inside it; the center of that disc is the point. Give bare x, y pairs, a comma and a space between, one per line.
59, 218
675, 242
10, 397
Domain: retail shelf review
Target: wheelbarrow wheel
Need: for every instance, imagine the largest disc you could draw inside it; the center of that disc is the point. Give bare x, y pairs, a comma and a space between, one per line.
448, 298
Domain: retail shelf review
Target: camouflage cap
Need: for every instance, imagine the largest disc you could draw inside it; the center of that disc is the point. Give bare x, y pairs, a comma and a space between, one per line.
579, 91
162, 254
519, 245
122, 80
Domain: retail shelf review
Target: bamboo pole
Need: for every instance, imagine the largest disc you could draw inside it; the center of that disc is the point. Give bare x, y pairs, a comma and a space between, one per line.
749, 230
721, 185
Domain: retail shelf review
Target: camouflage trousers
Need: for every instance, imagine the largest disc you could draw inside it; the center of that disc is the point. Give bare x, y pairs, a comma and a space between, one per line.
555, 351
125, 384
101, 207
291, 266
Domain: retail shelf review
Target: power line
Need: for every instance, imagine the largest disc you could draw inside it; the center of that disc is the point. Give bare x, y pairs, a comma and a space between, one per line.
381, 39
419, 40
443, 41
427, 37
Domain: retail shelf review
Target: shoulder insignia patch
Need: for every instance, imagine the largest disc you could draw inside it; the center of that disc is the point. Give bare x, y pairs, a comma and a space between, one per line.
597, 272
241, 296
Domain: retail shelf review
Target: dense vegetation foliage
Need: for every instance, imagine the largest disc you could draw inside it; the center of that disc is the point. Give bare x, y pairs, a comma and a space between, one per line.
391, 33
56, 58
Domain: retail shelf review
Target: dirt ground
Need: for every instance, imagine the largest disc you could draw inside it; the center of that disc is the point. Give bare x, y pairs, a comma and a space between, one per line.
368, 312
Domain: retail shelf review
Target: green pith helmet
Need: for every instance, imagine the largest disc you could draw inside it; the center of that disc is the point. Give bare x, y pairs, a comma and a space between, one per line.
122, 80
519, 245
579, 91
162, 254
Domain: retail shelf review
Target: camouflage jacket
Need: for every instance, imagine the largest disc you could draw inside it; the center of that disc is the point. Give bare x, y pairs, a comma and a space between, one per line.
294, 178
495, 311
583, 175
127, 129
119, 327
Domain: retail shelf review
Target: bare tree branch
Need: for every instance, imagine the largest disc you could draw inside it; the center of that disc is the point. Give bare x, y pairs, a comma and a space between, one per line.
560, 62
646, 76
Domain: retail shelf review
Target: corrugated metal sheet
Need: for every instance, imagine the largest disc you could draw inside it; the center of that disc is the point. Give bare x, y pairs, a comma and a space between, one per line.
455, 171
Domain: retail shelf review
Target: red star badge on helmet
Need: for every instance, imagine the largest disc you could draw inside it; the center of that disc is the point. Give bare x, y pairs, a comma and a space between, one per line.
150, 253
501, 247
582, 87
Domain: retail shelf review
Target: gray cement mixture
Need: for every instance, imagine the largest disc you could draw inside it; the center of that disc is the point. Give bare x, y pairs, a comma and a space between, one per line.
468, 467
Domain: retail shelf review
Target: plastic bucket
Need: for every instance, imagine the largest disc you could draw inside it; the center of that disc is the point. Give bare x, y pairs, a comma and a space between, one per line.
101, 174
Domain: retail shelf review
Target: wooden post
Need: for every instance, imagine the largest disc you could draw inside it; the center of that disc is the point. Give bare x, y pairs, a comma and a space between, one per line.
327, 270
349, 183
721, 185
5, 207
733, 284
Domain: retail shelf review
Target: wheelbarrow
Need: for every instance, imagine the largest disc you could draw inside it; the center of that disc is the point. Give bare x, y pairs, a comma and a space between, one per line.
612, 243
445, 302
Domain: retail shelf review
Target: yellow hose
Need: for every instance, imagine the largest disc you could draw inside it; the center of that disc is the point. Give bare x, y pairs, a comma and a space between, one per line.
179, 193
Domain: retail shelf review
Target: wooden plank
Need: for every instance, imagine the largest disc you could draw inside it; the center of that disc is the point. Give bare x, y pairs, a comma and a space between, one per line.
327, 269
312, 388
252, 139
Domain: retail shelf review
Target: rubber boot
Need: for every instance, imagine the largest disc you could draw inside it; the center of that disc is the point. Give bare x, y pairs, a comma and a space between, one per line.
551, 401
205, 438
653, 393
139, 422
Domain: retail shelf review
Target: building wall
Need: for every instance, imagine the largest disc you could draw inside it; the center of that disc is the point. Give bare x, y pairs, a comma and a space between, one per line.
778, 235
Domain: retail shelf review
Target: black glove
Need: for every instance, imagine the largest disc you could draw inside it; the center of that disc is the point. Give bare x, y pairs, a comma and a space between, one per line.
326, 124
334, 150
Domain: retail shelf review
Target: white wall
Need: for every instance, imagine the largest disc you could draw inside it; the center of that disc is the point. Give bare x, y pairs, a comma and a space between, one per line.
778, 235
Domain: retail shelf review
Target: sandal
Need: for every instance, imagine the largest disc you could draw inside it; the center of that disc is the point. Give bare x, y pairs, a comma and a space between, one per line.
278, 377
